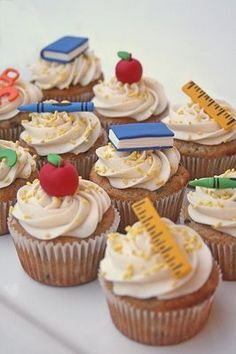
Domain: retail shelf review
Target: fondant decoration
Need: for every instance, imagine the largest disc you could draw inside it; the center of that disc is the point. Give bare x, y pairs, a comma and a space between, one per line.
128, 69
163, 241
214, 182
65, 49
9, 76
210, 106
58, 177
10, 155
43, 107
141, 136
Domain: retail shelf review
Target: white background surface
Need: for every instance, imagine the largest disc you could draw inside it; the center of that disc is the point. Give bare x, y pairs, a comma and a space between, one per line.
176, 40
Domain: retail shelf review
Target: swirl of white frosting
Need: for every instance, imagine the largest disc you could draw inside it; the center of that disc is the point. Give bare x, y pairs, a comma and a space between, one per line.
139, 100
83, 70
61, 132
28, 93
46, 217
23, 168
137, 270
190, 123
215, 207
138, 169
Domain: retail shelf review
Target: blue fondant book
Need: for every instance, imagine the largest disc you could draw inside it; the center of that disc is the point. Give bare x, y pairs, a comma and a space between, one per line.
141, 136
65, 49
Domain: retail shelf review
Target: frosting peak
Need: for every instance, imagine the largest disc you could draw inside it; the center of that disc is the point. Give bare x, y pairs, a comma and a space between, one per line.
140, 169
215, 207
46, 217
139, 100
191, 123
61, 132
23, 168
136, 270
82, 70
28, 93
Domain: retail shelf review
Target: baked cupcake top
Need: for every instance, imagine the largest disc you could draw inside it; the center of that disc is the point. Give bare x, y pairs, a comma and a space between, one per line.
22, 167
26, 93
81, 71
138, 169
46, 217
215, 207
135, 269
129, 94
61, 132
190, 123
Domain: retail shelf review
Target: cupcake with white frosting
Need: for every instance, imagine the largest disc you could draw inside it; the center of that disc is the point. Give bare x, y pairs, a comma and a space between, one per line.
10, 116
75, 136
17, 167
146, 302
130, 176
212, 213
72, 81
128, 97
59, 225
206, 148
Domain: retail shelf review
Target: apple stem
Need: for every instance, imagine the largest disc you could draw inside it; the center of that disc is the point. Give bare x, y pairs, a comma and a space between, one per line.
55, 160
124, 55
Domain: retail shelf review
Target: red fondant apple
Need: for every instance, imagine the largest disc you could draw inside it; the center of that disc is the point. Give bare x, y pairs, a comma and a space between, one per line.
58, 178
128, 69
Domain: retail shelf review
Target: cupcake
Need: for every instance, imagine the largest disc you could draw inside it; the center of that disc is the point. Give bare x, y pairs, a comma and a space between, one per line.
128, 97
212, 213
71, 81
73, 135
130, 176
206, 149
59, 225
13, 93
17, 167
146, 303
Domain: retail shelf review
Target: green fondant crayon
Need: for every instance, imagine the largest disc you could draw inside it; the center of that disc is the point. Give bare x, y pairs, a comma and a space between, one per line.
214, 182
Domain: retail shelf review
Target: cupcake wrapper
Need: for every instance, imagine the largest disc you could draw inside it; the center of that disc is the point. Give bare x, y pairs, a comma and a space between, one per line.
201, 167
106, 123
156, 327
225, 256
83, 165
66, 264
4, 211
84, 96
168, 207
11, 134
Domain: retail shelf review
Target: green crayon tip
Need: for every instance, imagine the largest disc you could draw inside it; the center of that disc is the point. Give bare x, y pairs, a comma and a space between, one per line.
214, 182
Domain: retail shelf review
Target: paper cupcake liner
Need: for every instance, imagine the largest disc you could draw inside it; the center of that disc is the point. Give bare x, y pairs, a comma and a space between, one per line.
84, 96
168, 207
156, 327
201, 167
83, 165
4, 212
11, 134
60, 264
224, 254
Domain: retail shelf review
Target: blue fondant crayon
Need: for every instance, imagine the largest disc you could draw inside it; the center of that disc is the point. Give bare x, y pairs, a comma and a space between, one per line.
42, 107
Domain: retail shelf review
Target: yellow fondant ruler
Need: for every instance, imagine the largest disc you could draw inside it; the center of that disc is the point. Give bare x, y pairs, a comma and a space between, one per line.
210, 106
162, 240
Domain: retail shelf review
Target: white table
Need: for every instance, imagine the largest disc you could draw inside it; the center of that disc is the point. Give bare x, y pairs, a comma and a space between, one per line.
176, 40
